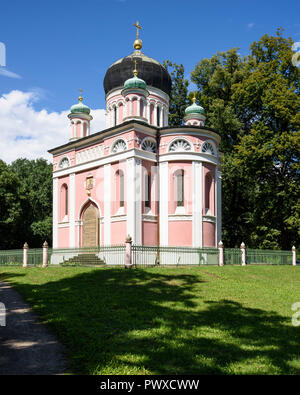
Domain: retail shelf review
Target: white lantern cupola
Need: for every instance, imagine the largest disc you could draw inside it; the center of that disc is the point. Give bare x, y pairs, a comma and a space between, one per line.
135, 95
80, 120
194, 114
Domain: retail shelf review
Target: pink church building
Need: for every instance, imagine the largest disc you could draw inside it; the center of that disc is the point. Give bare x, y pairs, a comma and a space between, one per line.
140, 177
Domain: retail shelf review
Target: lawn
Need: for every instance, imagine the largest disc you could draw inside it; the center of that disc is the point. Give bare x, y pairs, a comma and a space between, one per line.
193, 320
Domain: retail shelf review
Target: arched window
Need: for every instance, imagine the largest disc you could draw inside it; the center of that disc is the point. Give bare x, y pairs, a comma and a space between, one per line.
209, 194
115, 116
120, 188
64, 203
121, 114
142, 108
180, 145
179, 188
119, 146
158, 116
207, 148
147, 186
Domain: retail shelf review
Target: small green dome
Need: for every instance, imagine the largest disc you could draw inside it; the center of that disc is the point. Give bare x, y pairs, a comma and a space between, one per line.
194, 109
80, 108
135, 82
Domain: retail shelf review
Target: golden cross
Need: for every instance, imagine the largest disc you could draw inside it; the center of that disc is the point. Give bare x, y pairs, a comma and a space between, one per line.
137, 29
80, 98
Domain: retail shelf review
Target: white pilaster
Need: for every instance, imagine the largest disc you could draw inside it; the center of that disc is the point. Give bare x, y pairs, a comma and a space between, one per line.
164, 203
107, 204
72, 195
197, 203
134, 199
219, 206
55, 213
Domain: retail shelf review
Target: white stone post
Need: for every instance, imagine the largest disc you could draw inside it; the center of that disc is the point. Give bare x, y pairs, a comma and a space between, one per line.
243, 249
294, 255
128, 252
45, 254
25, 255
221, 253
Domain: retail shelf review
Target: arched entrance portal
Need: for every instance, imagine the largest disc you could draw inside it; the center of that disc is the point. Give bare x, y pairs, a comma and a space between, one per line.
90, 226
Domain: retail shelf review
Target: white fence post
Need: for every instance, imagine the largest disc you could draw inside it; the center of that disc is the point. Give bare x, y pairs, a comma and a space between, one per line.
221, 253
128, 252
25, 254
294, 255
45, 254
243, 249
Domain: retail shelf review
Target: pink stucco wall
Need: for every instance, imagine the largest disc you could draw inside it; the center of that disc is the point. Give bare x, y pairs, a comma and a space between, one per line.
150, 233
118, 232
63, 237
208, 234
180, 233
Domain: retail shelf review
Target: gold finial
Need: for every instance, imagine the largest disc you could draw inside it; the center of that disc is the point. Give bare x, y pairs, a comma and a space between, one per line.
138, 43
135, 72
80, 97
194, 98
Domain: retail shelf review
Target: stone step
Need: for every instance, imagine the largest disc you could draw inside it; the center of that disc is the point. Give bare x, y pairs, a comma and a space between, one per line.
85, 259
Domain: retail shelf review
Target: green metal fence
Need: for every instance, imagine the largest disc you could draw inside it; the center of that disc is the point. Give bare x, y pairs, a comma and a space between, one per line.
178, 256
15, 257
91, 256
232, 256
268, 257
145, 256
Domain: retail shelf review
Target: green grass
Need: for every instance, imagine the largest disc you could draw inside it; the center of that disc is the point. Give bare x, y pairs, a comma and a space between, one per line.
194, 320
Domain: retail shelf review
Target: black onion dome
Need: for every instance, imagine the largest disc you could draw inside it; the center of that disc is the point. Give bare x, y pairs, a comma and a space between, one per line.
149, 70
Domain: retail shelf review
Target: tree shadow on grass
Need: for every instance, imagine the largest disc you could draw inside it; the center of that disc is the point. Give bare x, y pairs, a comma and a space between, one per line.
140, 321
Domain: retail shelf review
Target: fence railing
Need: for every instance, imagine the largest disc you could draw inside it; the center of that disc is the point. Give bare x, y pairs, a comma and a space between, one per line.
232, 256
130, 254
269, 257
102, 255
15, 257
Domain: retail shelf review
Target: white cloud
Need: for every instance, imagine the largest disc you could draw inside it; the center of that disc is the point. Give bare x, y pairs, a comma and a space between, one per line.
27, 133
250, 25
6, 73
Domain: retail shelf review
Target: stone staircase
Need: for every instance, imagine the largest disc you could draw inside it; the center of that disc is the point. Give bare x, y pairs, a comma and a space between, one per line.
84, 260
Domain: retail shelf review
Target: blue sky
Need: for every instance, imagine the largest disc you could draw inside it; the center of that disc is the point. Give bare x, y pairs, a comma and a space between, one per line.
57, 47
60, 46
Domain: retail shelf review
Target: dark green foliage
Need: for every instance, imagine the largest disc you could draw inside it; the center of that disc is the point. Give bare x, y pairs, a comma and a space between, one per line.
26, 202
178, 98
254, 102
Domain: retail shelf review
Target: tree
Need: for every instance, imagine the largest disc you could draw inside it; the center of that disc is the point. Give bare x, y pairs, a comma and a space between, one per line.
36, 188
178, 97
254, 104
10, 207
269, 97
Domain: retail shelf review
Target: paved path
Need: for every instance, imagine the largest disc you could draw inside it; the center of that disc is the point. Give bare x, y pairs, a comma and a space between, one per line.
26, 346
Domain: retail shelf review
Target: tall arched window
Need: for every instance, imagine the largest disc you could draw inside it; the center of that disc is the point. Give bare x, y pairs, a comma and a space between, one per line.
158, 115
121, 109
208, 193
64, 203
120, 189
142, 108
179, 188
147, 186
115, 116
